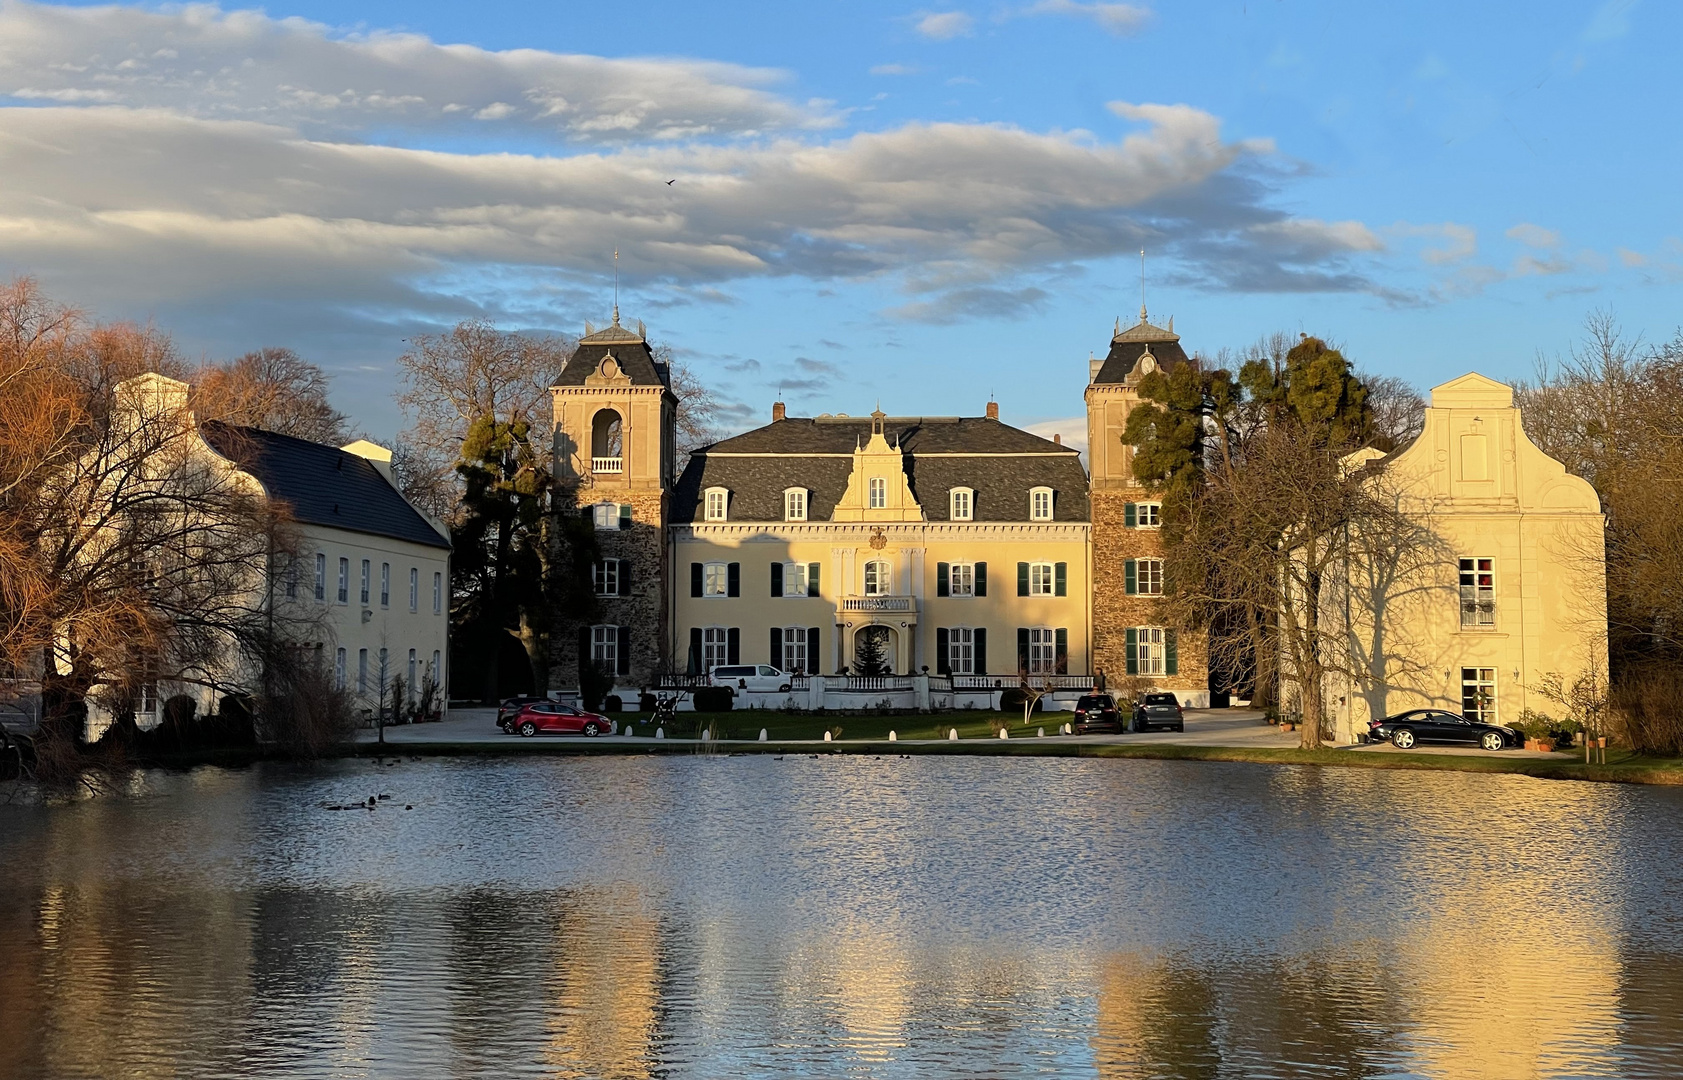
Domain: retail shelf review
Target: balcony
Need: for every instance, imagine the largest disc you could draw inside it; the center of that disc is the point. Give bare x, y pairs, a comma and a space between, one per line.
879, 604
607, 464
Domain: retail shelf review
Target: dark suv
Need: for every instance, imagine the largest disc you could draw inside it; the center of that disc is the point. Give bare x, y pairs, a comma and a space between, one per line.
1097, 713
1160, 710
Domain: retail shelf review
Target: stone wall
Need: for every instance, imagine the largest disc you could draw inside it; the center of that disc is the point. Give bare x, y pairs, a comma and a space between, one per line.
644, 611
1114, 610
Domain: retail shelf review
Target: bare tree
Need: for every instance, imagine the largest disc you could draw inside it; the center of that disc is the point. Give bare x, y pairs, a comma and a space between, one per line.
1398, 411
697, 421
272, 389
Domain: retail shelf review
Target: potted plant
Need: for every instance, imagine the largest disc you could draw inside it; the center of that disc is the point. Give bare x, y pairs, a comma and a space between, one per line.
1538, 729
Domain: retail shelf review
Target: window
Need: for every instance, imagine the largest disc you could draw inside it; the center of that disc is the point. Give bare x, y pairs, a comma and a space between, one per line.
1145, 577
961, 650
715, 647
717, 500
437, 593
1478, 694
1143, 515
147, 706
605, 515
435, 671
961, 503
339, 668
961, 579
362, 671
879, 493
1043, 651
292, 581
385, 584
1040, 504
1478, 594
794, 504
367, 579
411, 683
344, 580
715, 580
1149, 650
321, 577
607, 577
414, 588
879, 578
794, 580
794, 648
382, 672
1040, 581
605, 646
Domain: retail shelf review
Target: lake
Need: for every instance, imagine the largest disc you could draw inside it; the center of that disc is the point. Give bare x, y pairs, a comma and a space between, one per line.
717, 916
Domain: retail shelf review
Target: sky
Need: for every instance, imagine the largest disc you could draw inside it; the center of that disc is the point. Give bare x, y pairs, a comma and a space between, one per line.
841, 204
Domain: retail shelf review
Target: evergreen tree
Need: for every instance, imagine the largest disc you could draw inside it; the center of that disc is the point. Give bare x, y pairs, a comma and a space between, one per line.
869, 654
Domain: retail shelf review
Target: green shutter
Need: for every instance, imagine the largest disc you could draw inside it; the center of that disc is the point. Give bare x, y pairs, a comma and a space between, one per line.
942, 667
981, 579
623, 653
695, 579
1060, 639
979, 637
1022, 579
1131, 575
1171, 660
1133, 651
1022, 648
777, 579
733, 645
812, 648
1060, 579
625, 516
777, 647
941, 580
694, 666
733, 581
625, 577
1130, 516
812, 585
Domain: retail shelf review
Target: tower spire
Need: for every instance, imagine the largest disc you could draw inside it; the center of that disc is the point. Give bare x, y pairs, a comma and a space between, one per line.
616, 282
1142, 285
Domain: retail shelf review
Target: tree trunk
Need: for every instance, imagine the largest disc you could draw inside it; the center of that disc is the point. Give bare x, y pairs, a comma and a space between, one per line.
1310, 672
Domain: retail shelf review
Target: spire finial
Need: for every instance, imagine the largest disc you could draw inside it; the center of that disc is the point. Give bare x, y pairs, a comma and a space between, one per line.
616, 285
1142, 286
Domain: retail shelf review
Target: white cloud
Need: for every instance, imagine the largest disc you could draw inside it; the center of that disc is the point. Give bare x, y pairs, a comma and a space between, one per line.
894, 69
1534, 236
202, 60
945, 25
1460, 242
1120, 19
1317, 237
1611, 20
1627, 257
1073, 430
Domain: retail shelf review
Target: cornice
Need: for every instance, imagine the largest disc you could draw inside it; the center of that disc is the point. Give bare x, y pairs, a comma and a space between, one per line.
894, 532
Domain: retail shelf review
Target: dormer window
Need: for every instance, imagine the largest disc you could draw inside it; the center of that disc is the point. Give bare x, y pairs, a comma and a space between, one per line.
1040, 504
714, 504
794, 504
879, 493
962, 504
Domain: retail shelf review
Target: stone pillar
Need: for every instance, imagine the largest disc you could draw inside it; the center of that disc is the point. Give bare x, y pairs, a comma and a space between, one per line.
920, 683
815, 693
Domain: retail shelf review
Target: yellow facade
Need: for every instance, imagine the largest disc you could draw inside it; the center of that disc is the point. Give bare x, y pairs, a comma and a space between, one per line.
1502, 586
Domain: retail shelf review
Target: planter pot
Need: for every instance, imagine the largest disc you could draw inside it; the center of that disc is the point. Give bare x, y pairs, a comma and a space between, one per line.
1288, 727
1545, 745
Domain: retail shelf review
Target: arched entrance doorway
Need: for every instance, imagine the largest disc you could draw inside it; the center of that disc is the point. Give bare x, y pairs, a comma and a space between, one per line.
874, 650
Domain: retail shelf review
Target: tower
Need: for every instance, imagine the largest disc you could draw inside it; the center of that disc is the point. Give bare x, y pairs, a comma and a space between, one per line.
615, 455
1132, 638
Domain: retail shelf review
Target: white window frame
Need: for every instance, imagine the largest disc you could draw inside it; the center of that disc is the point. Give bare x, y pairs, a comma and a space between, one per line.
605, 515
1478, 600
961, 650
1042, 579
794, 504
794, 649
794, 579
1148, 577
409, 687
715, 647
367, 580
1145, 509
606, 577
291, 581
437, 592
878, 497
1041, 504
414, 588
961, 579
437, 669
321, 575
339, 668
344, 581
715, 504
1043, 650
876, 578
961, 504
1151, 655
385, 584
715, 580
604, 647
1482, 678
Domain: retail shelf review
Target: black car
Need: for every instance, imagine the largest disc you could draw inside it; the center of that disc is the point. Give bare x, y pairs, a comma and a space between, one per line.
510, 706
1159, 711
1097, 713
1437, 725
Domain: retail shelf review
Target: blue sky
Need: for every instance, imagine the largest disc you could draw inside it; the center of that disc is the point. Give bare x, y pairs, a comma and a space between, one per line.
922, 205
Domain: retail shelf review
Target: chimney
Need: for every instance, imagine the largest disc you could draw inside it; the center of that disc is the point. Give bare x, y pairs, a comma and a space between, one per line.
777, 412
993, 410
1057, 438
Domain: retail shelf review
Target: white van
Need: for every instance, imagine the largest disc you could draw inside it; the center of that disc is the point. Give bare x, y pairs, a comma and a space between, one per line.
760, 677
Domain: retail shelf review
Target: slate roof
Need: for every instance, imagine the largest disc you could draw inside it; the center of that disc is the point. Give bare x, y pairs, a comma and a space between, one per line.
630, 351
1127, 346
322, 485
1001, 463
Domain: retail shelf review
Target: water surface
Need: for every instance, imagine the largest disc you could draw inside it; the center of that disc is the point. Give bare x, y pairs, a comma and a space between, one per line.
843, 916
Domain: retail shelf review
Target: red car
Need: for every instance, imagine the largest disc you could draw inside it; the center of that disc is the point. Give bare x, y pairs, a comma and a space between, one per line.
555, 718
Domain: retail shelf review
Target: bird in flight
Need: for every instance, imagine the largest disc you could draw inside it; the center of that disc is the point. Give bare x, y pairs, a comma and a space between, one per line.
672, 181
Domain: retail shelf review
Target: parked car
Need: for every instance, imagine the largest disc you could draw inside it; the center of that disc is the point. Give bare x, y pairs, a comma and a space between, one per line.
749, 677
510, 706
1097, 713
1441, 726
555, 718
1160, 710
